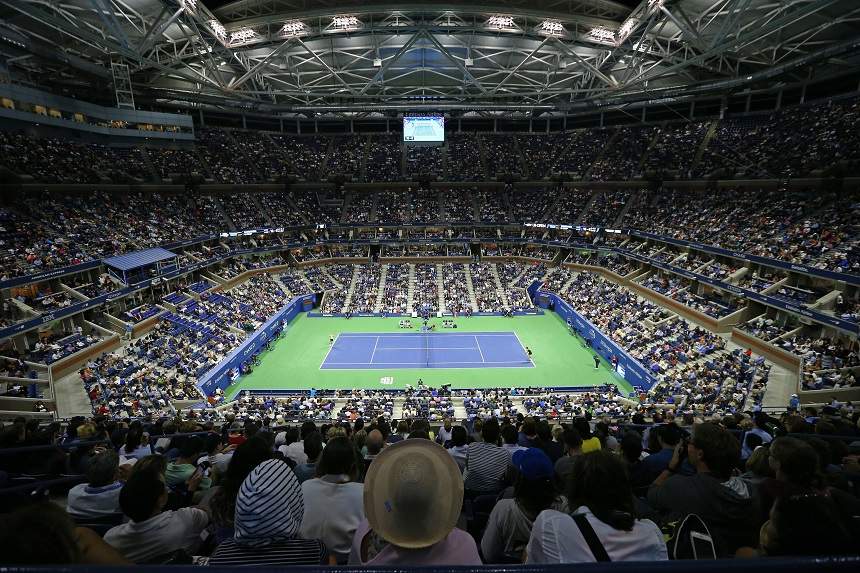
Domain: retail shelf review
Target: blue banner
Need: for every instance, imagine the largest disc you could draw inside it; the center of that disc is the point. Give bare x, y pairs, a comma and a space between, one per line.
48, 275
631, 369
220, 375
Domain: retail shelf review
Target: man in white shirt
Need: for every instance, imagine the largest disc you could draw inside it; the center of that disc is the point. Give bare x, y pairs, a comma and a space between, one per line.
99, 497
444, 432
153, 533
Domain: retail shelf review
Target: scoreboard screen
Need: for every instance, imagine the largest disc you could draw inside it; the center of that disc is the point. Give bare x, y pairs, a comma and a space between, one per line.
424, 129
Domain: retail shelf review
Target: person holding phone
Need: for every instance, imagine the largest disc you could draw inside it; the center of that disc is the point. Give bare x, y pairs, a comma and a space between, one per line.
724, 501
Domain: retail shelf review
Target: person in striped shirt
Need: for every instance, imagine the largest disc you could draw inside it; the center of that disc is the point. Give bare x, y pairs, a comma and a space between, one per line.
486, 463
269, 511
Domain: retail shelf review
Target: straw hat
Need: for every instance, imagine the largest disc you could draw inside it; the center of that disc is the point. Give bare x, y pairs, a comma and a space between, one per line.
413, 493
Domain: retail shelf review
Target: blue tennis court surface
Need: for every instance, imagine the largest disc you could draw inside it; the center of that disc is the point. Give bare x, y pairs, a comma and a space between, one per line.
359, 351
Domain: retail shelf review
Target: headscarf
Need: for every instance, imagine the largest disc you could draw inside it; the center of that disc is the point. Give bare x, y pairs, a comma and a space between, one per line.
269, 507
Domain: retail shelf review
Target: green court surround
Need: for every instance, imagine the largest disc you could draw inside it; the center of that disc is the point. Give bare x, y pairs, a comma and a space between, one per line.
560, 358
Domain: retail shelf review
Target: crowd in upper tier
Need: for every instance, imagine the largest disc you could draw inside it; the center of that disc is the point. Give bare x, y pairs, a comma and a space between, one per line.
805, 227
791, 142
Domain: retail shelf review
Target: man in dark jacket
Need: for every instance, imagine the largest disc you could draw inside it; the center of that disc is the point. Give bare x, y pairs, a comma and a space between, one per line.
726, 504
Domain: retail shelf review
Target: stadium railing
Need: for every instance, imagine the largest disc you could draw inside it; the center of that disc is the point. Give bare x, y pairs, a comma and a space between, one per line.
765, 565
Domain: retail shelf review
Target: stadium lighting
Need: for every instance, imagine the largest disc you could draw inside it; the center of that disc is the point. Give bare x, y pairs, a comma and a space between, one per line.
500, 22
655, 4
217, 29
552, 27
293, 28
242, 35
189, 5
345, 23
601, 34
625, 29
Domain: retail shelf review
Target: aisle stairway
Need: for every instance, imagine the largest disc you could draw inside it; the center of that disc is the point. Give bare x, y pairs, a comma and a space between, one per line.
500, 292
410, 294
331, 276
440, 286
380, 293
588, 205
470, 288
347, 302
259, 207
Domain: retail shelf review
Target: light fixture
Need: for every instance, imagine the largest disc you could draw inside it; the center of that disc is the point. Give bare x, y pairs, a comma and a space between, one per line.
601, 34
552, 27
217, 29
625, 29
500, 22
242, 35
189, 5
293, 28
469, 62
345, 22
377, 63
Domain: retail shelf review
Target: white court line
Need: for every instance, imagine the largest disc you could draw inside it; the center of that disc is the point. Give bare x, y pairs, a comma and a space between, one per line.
423, 362
330, 348
408, 334
479, 347
372, 354
422, 348
523, 347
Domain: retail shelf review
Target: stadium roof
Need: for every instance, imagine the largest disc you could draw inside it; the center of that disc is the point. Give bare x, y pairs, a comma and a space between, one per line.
139, 259
360, 57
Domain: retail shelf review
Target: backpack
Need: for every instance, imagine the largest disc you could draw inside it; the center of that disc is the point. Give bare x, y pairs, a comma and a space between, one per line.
690, 538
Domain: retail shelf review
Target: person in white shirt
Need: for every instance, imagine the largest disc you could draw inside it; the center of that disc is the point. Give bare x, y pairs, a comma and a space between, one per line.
154, 533
334, 502
600, 495
444, 432
99, 497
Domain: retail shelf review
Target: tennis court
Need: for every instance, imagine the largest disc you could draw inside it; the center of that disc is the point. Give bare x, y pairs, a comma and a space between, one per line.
359, 351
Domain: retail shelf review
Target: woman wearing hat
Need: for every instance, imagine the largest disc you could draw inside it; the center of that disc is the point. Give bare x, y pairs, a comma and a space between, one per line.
413, 494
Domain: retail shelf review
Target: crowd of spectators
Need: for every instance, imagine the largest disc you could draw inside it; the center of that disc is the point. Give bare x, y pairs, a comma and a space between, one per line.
424, 161
622, 161
464, 158
455, 291
503, 155
384, 159
218, 149
501, 488
426, 289
346, 156
303, 154
396, 292
802, 227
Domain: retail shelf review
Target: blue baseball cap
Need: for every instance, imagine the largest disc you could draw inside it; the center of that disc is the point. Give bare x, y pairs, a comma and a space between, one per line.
533, 463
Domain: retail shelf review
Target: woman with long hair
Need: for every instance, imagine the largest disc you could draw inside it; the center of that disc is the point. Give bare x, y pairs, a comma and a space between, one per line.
601, 525
222, 503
